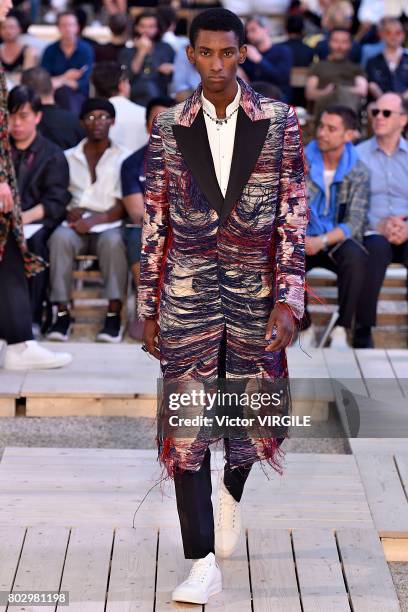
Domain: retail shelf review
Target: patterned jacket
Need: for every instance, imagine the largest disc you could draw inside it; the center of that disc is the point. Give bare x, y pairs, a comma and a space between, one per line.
12, 221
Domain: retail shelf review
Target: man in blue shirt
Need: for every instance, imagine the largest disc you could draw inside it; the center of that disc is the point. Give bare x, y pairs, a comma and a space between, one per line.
264, 61
338, 189
133, 183
386, 238
69, 62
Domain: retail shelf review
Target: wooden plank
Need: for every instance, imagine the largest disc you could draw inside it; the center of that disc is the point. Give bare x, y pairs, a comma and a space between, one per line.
11, 542
236, 593
395, 549
399, 363
7, 406
368, 577
378, 374
319, 571
143, 406
11, 382
379, 445
172, 569
121, 371
86, 568
272, 567
346, 371
41, 562
133, 571
385, 494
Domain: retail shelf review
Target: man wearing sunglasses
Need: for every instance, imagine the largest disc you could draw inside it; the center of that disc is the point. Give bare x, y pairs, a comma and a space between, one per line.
386, 238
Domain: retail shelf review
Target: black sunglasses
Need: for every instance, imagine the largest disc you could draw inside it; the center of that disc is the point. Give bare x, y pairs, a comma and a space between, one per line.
385, 113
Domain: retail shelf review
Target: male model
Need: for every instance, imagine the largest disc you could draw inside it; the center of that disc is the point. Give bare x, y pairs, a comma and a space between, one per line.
222, 265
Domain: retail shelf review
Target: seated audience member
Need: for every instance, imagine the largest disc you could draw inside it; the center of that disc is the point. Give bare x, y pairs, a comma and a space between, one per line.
336, 80
337, 15
42, 177
150, 61
15, 56
388, 71
169, 19
109, 52
386, 155
302, 55
111, 80
94, 170
265, 61
57, 124
133, 182
185, 77
69, 62
338, 187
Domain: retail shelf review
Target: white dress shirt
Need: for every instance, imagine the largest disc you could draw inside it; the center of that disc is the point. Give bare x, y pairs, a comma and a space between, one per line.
221, 138
129, 129
101, 195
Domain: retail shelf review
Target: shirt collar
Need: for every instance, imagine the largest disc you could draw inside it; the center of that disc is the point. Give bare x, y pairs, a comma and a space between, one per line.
210, 108
402, 146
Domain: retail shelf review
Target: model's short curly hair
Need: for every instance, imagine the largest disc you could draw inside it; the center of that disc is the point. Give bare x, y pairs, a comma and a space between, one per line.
217, 20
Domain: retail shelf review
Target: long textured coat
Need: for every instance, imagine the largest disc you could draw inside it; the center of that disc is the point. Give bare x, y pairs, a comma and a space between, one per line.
12, 221
210, 263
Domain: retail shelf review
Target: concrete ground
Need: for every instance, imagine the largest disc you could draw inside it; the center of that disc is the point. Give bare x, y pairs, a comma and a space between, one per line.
125, 432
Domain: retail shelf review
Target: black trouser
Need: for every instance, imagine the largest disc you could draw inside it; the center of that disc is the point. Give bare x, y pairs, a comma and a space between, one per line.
381, 254
38, 284
15, 310
349, 261
193, 493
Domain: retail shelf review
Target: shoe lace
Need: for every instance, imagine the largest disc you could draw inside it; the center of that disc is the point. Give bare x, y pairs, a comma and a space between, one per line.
223, 503
199, 570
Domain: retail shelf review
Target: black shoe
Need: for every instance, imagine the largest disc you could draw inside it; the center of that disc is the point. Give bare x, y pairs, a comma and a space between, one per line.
112, 330
363, 338
60, 330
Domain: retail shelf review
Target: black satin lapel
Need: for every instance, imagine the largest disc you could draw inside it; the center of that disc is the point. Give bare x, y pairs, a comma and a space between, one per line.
249, 140
195, 149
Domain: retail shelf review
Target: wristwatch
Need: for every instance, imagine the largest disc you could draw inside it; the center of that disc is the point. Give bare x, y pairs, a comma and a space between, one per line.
325, 240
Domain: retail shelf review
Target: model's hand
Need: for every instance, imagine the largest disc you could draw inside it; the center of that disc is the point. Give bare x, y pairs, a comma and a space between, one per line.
281, 317
6, 198
150, 333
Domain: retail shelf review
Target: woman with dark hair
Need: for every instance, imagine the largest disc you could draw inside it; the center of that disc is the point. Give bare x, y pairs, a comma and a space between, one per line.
16, 262
150, 61
15, 56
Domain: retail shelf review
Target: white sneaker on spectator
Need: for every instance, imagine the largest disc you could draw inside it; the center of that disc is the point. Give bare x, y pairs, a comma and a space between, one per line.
339, 338
30, 355
204, 580
227, 521
308, 337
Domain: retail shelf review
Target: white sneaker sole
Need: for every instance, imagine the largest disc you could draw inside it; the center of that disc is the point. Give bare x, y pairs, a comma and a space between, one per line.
111, 339
38, 366
58, 336
190, 598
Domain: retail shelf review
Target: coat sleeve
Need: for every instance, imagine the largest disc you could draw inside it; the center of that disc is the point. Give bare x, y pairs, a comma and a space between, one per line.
291, 221
155, 227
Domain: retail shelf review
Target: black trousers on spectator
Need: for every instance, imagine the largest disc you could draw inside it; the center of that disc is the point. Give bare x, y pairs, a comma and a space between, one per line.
15, 309
349, 261
193, 494
381, 254
38, 284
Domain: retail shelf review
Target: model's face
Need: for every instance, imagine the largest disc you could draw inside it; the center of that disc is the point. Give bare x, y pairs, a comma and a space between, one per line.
340, 45
394, 123
5, 7
147, 26
23, 123
331, 134
216, 56
68, 27
255, 33
10, 29
97, 124
393, 36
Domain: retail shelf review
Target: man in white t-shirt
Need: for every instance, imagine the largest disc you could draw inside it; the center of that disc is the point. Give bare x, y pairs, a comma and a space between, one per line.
111, 81
94, 221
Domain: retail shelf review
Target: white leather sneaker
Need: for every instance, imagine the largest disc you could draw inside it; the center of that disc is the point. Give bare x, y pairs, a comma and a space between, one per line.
339, 338
203, 581
30, 355
308, 337
227, 521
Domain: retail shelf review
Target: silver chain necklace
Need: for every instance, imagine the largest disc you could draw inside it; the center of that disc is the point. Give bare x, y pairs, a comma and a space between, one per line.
220, 121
